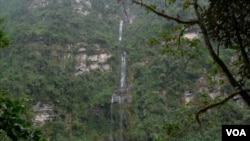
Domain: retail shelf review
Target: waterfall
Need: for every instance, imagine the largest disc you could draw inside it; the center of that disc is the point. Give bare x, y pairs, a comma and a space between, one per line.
111, 119
120, 30
121, 119
122, 91
123, 70
119, 95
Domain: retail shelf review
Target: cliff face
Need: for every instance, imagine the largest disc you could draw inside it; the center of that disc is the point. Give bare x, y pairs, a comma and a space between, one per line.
66, 55
39, 4
44, 112
80, 6
56, 42
69, 29
97, 59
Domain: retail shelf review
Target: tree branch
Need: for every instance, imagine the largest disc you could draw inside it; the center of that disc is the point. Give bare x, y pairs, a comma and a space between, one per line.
162, 14
203, 110
218, 60
242, 48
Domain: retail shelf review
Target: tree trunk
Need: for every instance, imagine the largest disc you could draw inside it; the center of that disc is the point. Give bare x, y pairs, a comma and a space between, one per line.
243, 93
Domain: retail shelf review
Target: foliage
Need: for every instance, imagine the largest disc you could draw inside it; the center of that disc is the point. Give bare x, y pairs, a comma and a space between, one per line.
13, 115
4, 40
228, 25
13, 112
206, 27
41, 63
209, 18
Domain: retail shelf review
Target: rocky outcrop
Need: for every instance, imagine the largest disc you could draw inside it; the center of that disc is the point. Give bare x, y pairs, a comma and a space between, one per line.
191, 36
191, 33
43, 113
97, 59
202, 87
38, 4
79, 6
82, 6
85, 63
121, 98
188, 97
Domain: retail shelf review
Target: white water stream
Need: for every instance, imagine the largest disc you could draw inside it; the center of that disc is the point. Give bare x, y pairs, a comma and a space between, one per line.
120, 30
120, 95
123, 70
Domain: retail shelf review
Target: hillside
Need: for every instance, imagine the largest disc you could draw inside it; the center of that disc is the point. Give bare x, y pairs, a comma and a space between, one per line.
67, 56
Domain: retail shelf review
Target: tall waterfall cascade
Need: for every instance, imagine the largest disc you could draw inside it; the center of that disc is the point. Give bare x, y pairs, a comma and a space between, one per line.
120, 95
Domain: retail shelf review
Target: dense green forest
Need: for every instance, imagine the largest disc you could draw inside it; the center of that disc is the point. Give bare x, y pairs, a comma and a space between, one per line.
65, 56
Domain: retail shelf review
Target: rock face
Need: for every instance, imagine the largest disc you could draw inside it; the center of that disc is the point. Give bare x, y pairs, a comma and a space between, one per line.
89, 56
188, 97
86, 62
121, 98
191, 33
201, 86
38, 4
82, 7
44, 112
191, 36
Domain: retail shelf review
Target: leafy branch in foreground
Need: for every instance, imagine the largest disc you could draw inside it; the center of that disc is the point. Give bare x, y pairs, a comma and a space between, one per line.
12, 119
163, 14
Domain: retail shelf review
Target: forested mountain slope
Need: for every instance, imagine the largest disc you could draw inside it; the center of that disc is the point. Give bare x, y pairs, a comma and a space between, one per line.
66, 56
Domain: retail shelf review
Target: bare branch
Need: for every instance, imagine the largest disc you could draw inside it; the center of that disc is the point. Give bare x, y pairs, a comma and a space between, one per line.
164, 15
181, 34
203, 110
